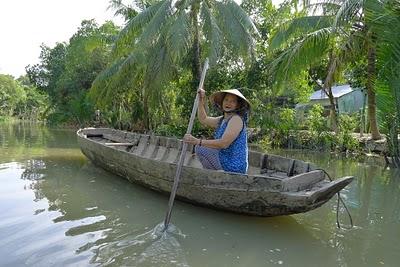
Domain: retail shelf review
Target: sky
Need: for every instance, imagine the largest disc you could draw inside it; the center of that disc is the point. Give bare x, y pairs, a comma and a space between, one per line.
26, 24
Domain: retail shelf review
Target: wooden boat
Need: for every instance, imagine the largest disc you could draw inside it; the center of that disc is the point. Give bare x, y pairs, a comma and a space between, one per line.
273, 186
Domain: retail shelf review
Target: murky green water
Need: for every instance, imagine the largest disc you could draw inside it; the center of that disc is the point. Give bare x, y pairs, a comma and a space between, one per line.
58, 209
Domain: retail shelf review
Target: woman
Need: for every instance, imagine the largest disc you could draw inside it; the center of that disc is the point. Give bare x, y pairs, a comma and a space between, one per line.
228, 150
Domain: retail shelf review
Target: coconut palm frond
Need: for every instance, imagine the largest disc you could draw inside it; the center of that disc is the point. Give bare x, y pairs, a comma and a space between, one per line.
242, 17
137, 24
352, 47
121, 51
388, 102
213, 34
102, 82
156, 25
236, 34
127, 11
385, 100
159, 70
300, 55
115, 79
316, 7
348, 11
298, 27
179, 36
118, 6
385, 22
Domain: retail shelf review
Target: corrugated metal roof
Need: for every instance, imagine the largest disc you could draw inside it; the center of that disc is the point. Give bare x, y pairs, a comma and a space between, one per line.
337, 91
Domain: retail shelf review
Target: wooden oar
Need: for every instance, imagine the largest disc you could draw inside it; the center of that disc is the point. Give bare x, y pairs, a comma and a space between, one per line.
184, 148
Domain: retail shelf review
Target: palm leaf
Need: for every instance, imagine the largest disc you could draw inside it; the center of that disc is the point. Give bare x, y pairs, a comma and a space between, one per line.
300, 55
156, 26
159, 70
348, 11
157, 40
242, 17
297, 27
352, 47
213, 34
384, 20
116, 78
179, 36
316, 7
101, 83
236, 34
137, 24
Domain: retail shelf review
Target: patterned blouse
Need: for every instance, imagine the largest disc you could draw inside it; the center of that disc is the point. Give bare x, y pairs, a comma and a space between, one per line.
234, 158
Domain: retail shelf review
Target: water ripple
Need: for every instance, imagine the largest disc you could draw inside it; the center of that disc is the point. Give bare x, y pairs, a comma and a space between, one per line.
152, 248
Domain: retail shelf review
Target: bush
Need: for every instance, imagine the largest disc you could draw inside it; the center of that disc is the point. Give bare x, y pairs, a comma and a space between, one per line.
279, 126
344, 140
178, 130
316, 123
265, 142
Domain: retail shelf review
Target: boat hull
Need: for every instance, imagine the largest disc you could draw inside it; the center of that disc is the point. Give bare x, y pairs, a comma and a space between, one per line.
237, 193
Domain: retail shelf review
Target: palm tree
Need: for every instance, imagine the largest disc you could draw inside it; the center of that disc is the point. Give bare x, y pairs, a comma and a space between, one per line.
127, 11
315, 37
155, 44
385, 22
352, 12
306, 41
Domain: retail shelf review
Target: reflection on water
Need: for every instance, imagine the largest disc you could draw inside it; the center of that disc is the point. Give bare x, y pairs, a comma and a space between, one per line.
56, 208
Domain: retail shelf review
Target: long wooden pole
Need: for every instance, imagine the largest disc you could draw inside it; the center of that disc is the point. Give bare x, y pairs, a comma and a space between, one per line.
184, 148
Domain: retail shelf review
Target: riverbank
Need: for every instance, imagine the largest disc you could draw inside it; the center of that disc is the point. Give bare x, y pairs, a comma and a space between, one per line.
352, 145
343, 144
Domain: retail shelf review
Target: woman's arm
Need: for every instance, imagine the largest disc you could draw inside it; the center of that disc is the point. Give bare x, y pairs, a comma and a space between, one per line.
202, 114
232, 131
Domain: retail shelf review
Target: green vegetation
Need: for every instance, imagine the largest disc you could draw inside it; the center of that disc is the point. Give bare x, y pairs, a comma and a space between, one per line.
166, 41
18, 98
143, 77
313, 134
66, 72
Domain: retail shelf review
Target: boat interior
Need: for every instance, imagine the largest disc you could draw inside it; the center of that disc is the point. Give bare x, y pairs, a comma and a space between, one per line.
168, 150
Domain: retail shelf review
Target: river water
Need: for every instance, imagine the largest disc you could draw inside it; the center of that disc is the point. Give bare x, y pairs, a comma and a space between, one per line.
58, 209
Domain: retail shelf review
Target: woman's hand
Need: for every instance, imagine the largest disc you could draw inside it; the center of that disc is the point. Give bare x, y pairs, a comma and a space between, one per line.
202, 94
190, 139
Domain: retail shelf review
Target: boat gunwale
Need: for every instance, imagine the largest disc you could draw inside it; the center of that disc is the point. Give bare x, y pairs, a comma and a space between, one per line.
247, 178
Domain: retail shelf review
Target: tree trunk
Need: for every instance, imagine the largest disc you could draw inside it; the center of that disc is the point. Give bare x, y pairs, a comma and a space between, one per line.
328, 90
371, 93
333, 111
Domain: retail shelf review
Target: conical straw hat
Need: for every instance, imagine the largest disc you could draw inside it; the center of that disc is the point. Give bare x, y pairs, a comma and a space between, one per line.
218, 97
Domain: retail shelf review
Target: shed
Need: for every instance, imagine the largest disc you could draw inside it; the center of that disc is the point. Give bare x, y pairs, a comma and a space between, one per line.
347, 99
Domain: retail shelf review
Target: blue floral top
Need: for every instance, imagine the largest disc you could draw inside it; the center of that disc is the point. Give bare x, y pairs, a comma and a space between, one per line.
233, 158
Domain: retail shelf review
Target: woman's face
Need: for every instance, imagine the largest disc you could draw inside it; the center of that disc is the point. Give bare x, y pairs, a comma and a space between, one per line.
230, 103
